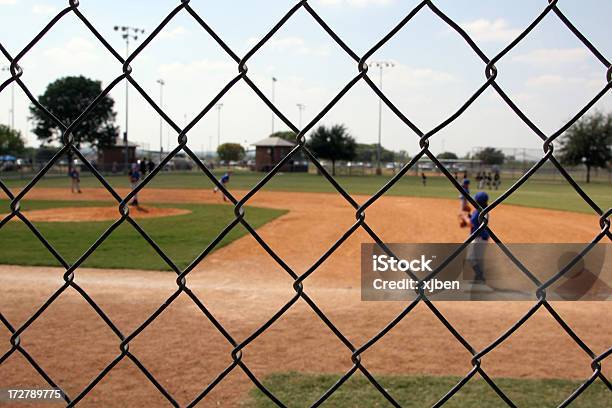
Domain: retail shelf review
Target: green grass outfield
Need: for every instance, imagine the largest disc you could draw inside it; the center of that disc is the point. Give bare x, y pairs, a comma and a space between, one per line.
535, 193
302, 390
182, 237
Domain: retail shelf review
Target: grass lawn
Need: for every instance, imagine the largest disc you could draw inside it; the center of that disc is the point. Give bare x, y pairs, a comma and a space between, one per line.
302, 390
182, 237
553, 194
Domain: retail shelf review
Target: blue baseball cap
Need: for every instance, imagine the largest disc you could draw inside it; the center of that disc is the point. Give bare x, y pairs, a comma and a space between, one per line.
481, 198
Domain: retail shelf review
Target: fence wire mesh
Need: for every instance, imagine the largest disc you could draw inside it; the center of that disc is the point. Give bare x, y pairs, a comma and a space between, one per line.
124, 339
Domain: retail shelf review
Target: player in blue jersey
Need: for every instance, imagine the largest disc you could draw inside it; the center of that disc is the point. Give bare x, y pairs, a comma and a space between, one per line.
223, 180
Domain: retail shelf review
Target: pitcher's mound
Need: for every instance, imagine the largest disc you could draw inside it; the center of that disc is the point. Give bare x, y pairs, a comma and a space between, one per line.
80, 214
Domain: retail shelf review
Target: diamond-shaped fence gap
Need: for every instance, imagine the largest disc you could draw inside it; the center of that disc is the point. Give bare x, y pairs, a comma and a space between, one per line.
18, 309
58, 214
125, 378
570, 15
93, 344
21, 245
132, 296
430, 211
434, 79
307, 52
126, 248
13, 42
242, 285
200, 221
299, 242
237, 36
550, 83
183, 323
300, 342
529, 355
342, 23
53, 58
411, 347
490, 27
550, 222
183, 91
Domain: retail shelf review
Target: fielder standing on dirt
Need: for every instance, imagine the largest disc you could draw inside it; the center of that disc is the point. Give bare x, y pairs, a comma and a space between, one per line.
223, 180
75, 178
476, 249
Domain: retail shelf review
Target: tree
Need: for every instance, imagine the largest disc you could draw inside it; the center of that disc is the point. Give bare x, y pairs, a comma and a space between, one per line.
333, 144
448, 156
588, 142
10, 141
367, 153
490, 155
230, 152
66, 98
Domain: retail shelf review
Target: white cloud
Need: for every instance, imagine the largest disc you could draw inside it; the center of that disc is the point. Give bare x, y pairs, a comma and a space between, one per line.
563, 80
175, 32
294, 45
197, 68
44, 9
490, 30
355, 3
553, 56
7, 2
76, 51
404, 75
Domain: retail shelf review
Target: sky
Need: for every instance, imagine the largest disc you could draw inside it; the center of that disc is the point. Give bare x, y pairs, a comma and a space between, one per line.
550, 74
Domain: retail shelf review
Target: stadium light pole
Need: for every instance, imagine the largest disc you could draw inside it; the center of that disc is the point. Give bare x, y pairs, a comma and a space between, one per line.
300, 107
161, 83
380, 65
127, 33
274, 80
12, 110
218, 106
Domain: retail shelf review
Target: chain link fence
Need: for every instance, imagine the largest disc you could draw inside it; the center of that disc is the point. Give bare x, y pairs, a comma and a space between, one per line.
547, 156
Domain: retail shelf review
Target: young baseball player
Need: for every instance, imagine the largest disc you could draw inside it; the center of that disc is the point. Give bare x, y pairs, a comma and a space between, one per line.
134, 179
476, 249
75, 178
423, 179
223, 180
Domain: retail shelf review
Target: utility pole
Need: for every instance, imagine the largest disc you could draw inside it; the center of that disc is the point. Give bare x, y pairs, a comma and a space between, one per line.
161, 83
301, 107
12, 110
273, 83
380, 65
127, 33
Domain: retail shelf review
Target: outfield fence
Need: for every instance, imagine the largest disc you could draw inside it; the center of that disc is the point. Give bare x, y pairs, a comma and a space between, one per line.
359, 364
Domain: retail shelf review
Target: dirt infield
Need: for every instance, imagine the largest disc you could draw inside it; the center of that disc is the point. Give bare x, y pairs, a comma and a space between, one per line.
80, 214
243, 287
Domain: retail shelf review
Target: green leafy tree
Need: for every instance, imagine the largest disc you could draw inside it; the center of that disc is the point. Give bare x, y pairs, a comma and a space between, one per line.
367, 153
448, 156
333, 143
11, 141
490, 156
230, 152
588, 142
66, 98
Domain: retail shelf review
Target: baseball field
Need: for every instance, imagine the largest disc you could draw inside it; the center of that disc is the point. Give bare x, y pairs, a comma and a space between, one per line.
298, 357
